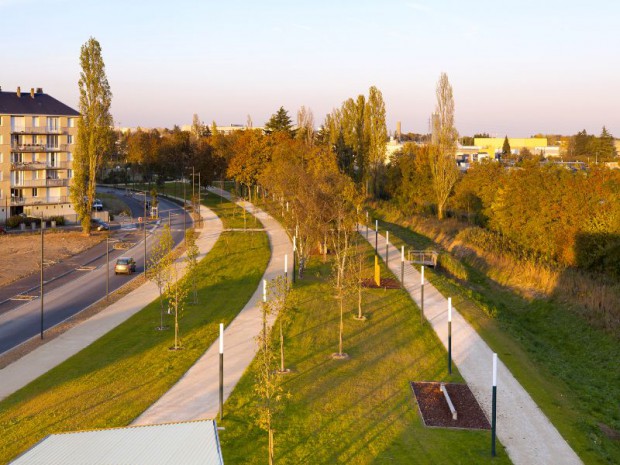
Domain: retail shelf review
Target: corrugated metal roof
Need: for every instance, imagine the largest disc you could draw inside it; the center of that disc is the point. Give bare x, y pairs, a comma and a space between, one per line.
189, 443
41, 104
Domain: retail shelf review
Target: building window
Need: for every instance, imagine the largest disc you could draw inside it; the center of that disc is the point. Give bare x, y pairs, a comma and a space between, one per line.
69, 139
52, 123
35, 192
71, 123
35, 121
52, 142
69, 174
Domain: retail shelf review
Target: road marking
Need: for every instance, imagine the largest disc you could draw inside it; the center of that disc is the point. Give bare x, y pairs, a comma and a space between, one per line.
85, 268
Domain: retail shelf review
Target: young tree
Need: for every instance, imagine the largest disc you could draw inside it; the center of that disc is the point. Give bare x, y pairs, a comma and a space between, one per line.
198, 127
267, 387
192, 260
443, 165
95, 136
160, 264
176, 292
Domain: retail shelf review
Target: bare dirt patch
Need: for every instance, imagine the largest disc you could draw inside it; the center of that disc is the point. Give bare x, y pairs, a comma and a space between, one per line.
435, 410
21, 253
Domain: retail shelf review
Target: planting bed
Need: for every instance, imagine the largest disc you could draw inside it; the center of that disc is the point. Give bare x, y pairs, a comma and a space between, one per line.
435, 411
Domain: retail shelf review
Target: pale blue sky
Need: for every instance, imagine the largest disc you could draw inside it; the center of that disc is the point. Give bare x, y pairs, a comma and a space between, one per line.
516, 67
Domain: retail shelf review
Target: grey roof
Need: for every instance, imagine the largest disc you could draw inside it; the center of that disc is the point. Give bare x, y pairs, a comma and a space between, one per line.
41, 104
189, 443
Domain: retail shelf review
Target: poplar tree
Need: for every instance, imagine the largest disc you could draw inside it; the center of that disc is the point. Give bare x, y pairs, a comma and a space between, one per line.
377, 134
442, 154
506, 146
95, 136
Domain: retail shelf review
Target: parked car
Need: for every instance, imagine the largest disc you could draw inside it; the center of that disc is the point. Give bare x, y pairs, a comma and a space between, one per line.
98, 205
126, 265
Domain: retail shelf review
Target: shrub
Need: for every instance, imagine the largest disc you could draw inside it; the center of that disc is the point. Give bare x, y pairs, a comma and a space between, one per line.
60, 220
14, 221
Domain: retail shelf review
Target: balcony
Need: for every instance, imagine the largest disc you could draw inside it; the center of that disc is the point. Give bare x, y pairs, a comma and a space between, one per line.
19, 201
40, 165
36, 130
38, 148
40, 183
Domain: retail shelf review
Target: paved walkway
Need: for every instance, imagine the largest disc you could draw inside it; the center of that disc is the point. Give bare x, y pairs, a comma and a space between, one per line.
44, 358
196, 395
526, 433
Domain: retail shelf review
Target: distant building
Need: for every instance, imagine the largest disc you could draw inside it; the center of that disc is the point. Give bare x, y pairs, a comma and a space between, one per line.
493, 145
37, 139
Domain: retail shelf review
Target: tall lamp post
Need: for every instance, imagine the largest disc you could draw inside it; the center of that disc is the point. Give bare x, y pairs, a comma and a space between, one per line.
41, 290
144, 228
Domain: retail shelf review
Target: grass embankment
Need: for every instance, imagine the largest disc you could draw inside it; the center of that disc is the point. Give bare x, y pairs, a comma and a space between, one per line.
569, 368
113, 204
117, 377
361, 410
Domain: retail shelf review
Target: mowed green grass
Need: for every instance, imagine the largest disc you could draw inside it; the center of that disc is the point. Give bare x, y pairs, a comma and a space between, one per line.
117, 377
356, 411
234, 217
571, 370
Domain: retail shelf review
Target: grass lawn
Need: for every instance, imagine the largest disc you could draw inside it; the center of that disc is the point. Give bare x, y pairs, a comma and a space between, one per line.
356, 411
117, 377
233, 216
570, 369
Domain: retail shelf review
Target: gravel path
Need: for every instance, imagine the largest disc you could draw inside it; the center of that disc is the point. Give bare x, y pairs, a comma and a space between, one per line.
524, 430
196, 394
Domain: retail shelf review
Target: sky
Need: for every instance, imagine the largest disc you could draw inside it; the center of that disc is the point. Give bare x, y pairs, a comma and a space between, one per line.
517, 68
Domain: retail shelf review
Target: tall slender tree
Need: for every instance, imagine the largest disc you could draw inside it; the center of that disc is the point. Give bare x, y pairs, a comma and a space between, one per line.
95, 136
377, 134
442, 154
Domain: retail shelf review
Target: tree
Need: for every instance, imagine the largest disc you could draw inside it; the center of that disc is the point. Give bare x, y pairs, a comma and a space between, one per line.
176, 292
191, 257
95, 136
443, 166
506, 147
305, 125
160, 264
267, 385
280, 121
606, 146
377, 134
198, 127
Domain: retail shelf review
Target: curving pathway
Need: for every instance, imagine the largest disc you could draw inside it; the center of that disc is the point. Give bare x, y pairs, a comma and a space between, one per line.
524, 430
44, 358
196, 394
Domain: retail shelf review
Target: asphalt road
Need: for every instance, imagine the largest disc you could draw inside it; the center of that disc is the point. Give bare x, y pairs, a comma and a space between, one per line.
76, 283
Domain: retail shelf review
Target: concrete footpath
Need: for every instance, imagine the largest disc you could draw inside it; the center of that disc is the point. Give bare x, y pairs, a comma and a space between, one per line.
196, 394
524, 430
44, 358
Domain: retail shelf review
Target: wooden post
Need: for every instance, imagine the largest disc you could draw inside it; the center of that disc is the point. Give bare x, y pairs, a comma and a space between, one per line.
450, 335
221, 371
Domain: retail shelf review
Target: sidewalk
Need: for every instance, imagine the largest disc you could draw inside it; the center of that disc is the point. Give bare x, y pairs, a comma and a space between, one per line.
48, 356
196, 394
526, 433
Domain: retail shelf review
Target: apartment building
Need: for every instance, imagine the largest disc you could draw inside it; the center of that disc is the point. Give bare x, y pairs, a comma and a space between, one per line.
37, 138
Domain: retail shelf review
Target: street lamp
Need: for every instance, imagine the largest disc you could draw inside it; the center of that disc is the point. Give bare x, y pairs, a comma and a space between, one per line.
41, 290
144, 228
